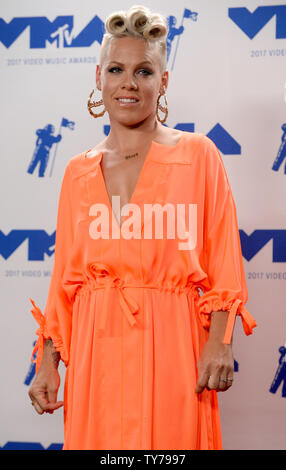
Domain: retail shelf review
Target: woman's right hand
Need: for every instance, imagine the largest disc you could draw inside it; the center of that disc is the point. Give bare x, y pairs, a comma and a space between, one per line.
44, 389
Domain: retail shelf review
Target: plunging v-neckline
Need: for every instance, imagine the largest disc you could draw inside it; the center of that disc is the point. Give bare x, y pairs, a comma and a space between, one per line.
138, 183
134, 192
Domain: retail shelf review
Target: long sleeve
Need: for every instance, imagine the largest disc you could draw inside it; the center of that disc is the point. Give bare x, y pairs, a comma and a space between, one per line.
55, 324
225, 287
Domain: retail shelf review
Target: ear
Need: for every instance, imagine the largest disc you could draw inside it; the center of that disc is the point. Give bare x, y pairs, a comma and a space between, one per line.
98, 76
164, 82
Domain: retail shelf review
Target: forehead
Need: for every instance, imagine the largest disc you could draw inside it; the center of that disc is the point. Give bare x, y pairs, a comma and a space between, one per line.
132, 50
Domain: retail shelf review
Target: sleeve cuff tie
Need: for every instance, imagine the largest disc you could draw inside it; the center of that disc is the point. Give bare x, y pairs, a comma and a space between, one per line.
248, 321
41, 332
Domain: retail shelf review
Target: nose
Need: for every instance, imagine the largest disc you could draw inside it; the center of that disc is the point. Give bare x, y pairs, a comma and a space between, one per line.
129, 82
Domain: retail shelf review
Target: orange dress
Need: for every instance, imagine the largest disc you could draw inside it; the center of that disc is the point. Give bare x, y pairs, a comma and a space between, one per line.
126, 315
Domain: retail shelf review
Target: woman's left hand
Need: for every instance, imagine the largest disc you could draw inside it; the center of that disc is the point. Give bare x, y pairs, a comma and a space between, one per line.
215, 367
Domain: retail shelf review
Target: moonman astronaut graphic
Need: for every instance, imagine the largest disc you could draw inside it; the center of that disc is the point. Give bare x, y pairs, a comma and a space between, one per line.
46, 139
281, 152
172, 32
280, 376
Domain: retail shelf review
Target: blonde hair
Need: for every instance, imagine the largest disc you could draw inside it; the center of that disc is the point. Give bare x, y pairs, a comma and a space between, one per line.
138, 22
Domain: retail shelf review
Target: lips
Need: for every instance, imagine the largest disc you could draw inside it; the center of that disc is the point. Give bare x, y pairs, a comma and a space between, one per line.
127, 99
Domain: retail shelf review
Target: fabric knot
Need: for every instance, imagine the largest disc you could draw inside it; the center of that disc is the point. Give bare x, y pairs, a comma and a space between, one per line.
40, 319
118, 282
101, 272
103, 276
193, 291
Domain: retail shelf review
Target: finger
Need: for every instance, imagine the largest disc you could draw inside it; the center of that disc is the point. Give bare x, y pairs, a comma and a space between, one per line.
226, 378
52, 396
202, 381
213, 382
52, 399
43, 402
229, 381
222, 384
225, 383
41, 406
37, 407
57, 405
53, 406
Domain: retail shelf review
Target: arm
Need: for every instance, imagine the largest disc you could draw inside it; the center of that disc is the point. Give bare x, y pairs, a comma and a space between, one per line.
225, 290
55, 325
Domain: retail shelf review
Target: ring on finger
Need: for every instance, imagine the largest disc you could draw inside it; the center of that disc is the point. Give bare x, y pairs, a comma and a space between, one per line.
226, 380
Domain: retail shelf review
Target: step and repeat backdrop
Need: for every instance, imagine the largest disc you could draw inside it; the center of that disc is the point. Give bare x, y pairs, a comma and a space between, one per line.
227, 66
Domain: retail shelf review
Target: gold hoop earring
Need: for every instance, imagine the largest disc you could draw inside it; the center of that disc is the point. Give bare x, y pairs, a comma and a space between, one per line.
94, 104
162, 108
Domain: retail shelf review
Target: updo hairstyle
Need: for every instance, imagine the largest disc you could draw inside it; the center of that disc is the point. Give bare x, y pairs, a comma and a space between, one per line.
138, 22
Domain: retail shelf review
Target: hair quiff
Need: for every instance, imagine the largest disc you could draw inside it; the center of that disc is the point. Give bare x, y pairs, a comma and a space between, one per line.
138, 22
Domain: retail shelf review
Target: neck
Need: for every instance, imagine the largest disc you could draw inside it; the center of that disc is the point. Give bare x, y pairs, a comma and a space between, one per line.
127, 140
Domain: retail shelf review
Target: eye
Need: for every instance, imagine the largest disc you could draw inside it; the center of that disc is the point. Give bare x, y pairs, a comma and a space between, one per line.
145, 72
114, 69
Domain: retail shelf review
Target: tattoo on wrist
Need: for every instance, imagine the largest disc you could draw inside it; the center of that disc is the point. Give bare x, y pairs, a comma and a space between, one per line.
56, 358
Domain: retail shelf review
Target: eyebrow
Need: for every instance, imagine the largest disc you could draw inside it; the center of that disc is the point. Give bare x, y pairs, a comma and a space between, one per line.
140, 63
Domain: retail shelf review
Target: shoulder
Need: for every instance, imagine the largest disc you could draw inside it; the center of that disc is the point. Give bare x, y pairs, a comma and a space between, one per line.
199, 141
204, 149
79, 163
198, 148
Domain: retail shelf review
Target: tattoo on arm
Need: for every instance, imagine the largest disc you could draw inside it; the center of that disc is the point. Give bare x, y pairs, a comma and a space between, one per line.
55, 354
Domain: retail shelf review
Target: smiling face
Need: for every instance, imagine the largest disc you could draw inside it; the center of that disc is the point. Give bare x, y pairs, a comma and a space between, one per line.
131, 79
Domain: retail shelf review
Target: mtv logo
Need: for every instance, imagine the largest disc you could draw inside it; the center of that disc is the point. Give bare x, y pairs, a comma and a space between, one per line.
252, 23
42, 30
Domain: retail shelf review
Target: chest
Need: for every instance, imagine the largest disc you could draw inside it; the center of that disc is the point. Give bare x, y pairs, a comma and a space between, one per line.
121, 179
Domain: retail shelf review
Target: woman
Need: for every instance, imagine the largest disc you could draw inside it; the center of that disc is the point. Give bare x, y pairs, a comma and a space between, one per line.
145, 354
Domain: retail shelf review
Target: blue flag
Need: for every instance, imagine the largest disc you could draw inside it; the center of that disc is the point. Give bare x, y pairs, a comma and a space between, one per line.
67, 123
187, 13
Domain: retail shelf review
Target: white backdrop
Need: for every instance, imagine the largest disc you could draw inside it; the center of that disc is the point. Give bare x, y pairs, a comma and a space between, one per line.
227, 80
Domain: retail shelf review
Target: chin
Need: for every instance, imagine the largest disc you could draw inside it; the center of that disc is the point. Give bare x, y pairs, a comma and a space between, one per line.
129, 117
132, 121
